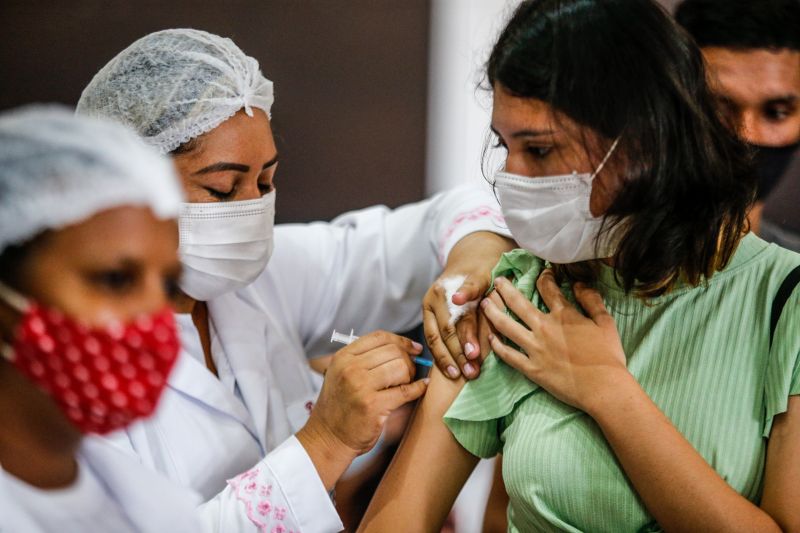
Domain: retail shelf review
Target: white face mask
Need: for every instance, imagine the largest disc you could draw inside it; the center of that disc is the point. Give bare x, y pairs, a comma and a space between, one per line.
550, 216
224, 246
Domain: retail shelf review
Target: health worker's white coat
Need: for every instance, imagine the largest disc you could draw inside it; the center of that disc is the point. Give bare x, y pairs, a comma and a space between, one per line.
111, 493
366, 270
114, 492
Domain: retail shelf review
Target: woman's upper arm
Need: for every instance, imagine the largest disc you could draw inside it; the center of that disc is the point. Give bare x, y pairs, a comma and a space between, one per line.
427, 472
782, 476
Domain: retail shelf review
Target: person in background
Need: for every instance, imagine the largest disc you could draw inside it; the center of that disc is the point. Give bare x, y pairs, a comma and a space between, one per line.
254, 304
752, 52
645, 365
87, 264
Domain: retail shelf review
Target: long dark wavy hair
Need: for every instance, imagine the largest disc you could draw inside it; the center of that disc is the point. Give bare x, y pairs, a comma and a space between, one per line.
624, 69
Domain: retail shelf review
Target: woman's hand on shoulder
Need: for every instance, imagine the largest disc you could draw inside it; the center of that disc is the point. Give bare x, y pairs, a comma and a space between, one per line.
579, 360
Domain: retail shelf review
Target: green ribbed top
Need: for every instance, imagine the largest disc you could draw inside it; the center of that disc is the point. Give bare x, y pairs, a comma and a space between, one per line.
702, 355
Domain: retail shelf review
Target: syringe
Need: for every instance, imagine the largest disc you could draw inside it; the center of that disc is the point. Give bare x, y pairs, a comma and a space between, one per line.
341, 338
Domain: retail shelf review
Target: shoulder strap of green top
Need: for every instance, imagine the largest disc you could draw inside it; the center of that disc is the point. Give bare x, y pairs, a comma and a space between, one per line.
784, 292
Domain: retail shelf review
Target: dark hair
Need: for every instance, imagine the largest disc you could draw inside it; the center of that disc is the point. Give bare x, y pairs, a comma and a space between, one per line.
625, 70
742, 24
185, 148
13, 260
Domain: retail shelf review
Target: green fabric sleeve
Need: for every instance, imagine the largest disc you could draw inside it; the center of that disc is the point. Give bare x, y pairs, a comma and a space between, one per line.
476, 417
791, 327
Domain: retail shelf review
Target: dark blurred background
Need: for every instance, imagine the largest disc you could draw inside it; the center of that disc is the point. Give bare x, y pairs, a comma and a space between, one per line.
350, 81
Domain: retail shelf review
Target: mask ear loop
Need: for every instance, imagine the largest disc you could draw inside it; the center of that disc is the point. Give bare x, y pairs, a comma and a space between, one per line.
18, 303
6, 352
605, 159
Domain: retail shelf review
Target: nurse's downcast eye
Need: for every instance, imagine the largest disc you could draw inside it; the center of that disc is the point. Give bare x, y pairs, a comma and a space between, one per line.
265, 188
222, 167
220, 195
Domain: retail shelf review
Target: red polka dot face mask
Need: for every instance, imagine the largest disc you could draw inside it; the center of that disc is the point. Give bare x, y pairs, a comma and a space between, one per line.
102, 378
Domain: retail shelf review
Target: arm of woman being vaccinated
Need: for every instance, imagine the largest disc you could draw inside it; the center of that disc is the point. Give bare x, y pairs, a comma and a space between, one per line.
427, 472
369, 269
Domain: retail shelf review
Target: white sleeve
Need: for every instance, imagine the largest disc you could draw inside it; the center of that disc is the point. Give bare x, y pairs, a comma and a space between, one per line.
369, 269
281, 494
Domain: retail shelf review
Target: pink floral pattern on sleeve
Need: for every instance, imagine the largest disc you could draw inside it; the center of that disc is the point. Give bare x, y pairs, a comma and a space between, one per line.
261, 507
482, 212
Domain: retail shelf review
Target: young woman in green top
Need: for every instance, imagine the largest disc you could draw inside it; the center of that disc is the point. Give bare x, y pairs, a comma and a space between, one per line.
672, 402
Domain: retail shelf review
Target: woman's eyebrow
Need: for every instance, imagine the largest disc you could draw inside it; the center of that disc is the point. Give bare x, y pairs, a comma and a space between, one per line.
789, 99
531, 133
527, 133
270, 162
223, 166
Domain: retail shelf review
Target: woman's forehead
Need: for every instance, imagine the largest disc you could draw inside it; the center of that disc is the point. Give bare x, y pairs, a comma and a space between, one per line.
241, 137
126, 231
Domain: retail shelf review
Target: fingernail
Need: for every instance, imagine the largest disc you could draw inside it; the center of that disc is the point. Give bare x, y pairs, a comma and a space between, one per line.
469, 369
417, 346
426, 380
484, 302
452, 371
469, 348
491, 336
498, 281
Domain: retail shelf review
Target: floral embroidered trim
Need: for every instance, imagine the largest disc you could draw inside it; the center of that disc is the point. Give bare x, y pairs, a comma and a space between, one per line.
256, 499
478, 213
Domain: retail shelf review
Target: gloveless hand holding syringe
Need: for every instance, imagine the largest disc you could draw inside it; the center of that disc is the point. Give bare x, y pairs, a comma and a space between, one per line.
451, 285
341, 338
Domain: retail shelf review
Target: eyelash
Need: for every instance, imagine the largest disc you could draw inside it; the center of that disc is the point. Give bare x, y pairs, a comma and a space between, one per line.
120, 282
536, 151
117, 281
540, 152
264, 188
220, 195
777, 114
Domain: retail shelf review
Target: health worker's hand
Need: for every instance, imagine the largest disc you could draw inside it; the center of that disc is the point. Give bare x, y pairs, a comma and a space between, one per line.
364, 383
575, 358
456, 344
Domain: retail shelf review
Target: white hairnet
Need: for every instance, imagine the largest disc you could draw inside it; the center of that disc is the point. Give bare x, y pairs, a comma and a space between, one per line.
57, 169
174, 85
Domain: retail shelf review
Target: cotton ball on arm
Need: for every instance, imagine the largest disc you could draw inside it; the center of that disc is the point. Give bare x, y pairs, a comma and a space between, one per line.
451, 286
